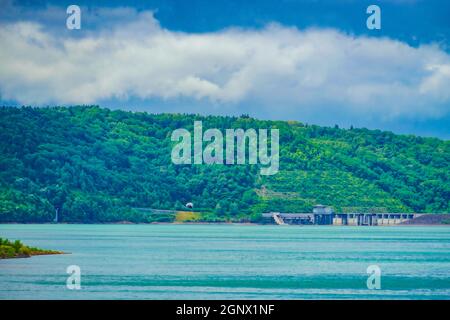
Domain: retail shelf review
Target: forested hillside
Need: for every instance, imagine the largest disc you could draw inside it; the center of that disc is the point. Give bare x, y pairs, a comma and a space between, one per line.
96, 165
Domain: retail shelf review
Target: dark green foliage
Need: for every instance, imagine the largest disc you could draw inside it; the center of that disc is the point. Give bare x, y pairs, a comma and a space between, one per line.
9, 249
94, 165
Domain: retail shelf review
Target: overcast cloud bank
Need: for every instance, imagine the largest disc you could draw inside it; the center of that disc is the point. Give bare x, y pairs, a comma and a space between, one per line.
277, 68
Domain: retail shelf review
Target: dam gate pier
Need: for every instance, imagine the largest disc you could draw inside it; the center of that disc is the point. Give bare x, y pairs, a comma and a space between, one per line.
324, 215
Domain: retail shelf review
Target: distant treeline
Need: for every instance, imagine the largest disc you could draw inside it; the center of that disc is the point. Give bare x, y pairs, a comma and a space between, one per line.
94, 165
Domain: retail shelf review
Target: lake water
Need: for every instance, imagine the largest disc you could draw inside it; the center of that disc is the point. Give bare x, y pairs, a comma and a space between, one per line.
229, 262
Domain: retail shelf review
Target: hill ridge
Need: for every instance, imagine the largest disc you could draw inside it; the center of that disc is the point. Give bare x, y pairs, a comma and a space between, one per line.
94, 164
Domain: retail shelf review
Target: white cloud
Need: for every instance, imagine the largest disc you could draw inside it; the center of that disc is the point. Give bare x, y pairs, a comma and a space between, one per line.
277, 68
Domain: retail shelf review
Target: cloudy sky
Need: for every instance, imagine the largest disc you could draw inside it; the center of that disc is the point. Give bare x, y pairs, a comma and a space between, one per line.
312, 61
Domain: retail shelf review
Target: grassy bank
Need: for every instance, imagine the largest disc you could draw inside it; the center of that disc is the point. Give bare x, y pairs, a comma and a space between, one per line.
17, 249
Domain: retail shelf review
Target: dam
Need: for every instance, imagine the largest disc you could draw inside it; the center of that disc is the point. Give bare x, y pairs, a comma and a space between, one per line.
324, 215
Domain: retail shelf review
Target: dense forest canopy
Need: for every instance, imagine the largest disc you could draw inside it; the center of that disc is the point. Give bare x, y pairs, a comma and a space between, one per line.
97, 165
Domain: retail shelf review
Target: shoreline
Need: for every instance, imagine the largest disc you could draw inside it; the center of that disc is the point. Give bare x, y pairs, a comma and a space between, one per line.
23, 256
221, 223
17, 250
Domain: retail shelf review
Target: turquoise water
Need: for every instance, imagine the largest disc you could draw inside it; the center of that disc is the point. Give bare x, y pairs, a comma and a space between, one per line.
229, 262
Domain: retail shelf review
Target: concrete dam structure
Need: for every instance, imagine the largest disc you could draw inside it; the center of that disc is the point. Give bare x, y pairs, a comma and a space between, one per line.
324, 215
